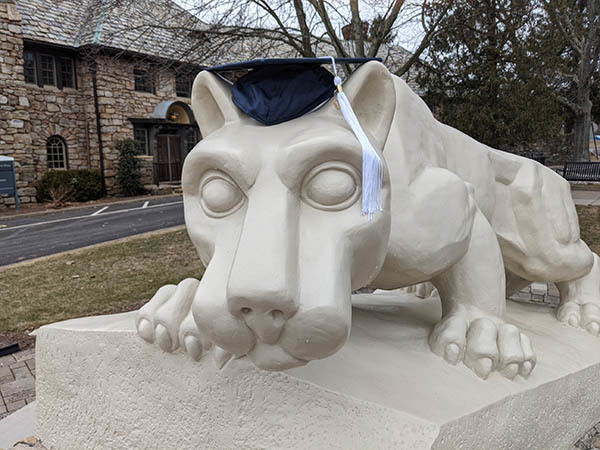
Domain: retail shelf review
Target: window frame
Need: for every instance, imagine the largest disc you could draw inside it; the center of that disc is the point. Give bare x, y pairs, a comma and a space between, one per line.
65, 153
146, 142
186, 78
58, 57
190, 139
41, 79
144, 75
33, 66
61, 72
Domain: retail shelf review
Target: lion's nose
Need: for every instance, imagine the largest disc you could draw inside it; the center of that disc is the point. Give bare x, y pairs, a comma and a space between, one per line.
265, 316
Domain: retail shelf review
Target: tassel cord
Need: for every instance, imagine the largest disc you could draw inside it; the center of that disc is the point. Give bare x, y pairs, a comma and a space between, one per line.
372, 168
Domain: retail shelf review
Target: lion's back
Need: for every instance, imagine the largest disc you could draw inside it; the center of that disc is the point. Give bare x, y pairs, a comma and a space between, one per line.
526, 203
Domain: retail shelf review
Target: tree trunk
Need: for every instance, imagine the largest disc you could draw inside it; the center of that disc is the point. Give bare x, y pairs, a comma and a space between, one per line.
582, 125
305, 32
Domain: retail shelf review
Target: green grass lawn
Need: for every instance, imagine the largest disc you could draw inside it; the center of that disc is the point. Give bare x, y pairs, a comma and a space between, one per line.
589, 224
109, 278
122, 276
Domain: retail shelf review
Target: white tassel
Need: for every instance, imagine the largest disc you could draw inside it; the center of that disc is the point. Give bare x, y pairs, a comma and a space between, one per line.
372, 169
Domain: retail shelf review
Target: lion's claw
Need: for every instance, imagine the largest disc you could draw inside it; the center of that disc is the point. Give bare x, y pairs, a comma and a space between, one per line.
483, 344
167, 321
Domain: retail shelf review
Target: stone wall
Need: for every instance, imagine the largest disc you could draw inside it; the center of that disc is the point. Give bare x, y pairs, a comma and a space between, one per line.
67, 113
15, 127
147, 169
29, 114
119, 101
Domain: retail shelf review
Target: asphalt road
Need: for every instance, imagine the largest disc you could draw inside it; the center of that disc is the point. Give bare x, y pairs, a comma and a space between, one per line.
32, 237
23, 238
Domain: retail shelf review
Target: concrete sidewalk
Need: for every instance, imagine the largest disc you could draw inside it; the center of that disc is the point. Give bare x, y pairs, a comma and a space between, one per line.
19, 426
586, 198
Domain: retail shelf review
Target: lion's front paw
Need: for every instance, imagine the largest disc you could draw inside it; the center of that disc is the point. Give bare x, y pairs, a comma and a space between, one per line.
167, 320
585, 315
483, 344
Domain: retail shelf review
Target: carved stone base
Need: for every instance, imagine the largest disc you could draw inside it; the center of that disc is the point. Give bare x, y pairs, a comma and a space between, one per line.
101, 386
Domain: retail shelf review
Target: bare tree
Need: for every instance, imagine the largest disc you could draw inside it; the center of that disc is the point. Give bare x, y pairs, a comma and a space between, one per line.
578, 26
319, 27
230, 30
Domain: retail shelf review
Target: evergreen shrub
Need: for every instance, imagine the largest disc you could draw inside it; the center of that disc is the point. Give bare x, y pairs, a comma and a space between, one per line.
80, 185
129, 175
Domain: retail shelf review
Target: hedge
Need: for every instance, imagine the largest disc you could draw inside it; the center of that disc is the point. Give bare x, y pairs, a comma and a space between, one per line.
80, 185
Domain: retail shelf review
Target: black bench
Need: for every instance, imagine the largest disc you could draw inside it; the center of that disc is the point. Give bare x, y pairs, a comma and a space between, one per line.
581, 171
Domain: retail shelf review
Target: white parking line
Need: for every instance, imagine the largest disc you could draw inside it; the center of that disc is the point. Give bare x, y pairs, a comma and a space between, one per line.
145, 205
87, 216
99, 211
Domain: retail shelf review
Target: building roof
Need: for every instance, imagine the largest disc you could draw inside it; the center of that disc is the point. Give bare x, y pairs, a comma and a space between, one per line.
57, 22
150, 27
159, 29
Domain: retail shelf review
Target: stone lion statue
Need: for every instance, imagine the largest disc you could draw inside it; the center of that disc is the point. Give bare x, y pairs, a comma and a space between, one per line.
275, 216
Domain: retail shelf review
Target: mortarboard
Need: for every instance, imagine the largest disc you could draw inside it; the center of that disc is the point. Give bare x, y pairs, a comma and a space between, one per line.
281, 89
277, 90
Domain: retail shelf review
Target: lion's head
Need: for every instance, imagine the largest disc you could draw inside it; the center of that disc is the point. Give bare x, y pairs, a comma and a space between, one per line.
275, 215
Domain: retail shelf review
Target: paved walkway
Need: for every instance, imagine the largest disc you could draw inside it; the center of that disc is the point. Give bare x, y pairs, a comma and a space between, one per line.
544, 293
586, 197
17, 381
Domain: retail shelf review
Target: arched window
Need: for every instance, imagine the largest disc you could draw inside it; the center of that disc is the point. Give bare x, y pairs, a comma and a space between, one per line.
56, 150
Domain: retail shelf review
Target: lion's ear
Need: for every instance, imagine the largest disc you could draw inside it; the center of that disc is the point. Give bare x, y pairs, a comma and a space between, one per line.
212, 104
372, 94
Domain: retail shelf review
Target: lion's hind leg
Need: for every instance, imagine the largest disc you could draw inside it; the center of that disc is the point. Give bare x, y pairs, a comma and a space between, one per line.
538, 231
580, 300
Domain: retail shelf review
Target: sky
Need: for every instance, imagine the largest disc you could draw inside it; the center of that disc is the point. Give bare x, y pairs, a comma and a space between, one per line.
409, 32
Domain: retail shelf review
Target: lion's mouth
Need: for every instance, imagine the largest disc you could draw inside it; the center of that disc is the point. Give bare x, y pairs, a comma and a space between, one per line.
273, 357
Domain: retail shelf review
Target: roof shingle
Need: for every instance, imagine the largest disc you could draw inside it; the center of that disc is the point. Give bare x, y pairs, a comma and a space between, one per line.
158, 28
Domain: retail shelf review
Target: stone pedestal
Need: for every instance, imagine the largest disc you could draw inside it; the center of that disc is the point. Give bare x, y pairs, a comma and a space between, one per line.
100, 386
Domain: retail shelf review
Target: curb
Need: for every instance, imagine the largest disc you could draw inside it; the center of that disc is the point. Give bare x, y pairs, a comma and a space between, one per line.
18, 215
93, 246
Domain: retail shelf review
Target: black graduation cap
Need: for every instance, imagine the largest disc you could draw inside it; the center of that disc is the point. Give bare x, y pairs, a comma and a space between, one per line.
277, 90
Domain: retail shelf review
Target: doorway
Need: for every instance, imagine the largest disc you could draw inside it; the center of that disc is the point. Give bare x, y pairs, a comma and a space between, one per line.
170, 159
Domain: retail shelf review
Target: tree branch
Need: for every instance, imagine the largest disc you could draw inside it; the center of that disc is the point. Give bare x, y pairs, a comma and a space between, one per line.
357, 29
569, 104
425, 41
284, 30
304, 31
320, 8
567, 29
386, 28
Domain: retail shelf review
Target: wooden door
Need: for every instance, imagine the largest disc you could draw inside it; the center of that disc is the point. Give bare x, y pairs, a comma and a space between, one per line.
170, 161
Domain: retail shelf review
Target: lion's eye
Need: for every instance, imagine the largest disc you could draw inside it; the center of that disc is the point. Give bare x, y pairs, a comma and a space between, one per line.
331, 186
219, 194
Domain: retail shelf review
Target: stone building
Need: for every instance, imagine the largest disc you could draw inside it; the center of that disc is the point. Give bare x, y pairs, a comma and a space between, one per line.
77, 76
73, 83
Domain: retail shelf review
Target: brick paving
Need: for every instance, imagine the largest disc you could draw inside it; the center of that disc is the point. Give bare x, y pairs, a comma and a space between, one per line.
590, 440
17, 381
542, 293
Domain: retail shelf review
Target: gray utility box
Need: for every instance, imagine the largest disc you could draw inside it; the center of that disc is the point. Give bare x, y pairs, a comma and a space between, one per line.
8, 181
